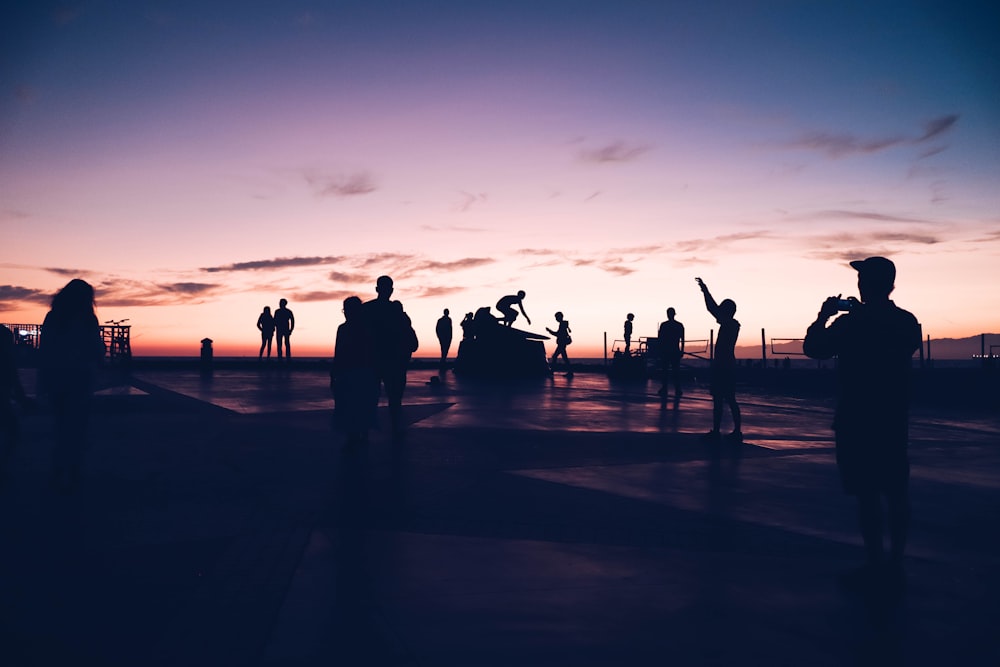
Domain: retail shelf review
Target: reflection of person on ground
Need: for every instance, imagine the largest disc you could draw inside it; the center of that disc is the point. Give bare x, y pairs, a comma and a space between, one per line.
874, 343
353, 379
444, 332
670, 339
392, 333
562, 340
506, 308
628, 331
70, 349
723, 368
11, 391
284, 324
265, 323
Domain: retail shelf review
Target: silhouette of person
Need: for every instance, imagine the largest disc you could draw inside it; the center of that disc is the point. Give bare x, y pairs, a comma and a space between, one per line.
506, 308
284, 325
70, 349
353, 377
562, 340
874, 342
265, 323
467, 325
722, 372
444, 332
395, 341
628, 331
670, 339
11, 391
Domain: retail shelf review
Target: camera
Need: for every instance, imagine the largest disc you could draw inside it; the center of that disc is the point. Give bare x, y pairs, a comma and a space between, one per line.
846, 304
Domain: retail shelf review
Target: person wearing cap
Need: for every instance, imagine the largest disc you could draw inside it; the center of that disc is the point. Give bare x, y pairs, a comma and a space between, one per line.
874, 342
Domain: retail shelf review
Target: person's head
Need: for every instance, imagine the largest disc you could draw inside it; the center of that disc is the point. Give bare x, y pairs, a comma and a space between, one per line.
727, 308
383, 287
282, 303
520, 294
670, 313
876, 278
352, 307
76, 299
630, 317
267, 310
559, 316
446, 312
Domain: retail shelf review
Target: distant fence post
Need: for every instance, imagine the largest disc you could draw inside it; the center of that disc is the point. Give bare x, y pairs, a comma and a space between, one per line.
920, 327
763, 349
711, 344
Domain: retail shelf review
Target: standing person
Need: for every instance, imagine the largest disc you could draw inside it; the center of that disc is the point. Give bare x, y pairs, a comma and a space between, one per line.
265, 323
284, 324
467, 324
562, 340
506, 307
670, 339
395, 341
722, 372
352, 377
444, 333
874, 342
70, 350
628, 331
11, 390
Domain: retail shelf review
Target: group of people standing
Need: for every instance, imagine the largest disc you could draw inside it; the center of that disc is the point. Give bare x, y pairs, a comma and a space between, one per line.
282, 322
372, 350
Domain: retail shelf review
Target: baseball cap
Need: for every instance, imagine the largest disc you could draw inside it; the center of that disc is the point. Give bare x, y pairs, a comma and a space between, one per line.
878, 268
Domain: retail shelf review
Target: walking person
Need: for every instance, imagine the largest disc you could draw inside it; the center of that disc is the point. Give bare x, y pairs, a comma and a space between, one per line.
563, 338
284, 325
722, 372
70, 350
265, 323
874, 342
670, 339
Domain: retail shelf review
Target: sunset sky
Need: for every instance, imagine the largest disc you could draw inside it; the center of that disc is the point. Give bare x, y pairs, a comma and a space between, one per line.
196, 161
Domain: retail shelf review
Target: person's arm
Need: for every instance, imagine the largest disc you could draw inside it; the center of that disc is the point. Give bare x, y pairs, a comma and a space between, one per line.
260, 324
682, 340
520, 304
821, 341
710, 303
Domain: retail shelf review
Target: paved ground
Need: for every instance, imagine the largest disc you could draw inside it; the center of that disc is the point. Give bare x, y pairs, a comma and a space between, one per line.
562, 522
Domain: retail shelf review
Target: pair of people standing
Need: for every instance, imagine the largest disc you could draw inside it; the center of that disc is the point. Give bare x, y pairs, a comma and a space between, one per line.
722, 371
282, 323
373, 349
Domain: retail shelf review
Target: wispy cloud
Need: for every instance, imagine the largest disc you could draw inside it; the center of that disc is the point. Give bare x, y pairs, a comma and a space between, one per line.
270, 264
454, 228
867, 216
337, 185
132, 293
616, 151
440, 291
12, 295
714, 243
841, 144
468, 200
351, 278
319, 295
66, 272
434, 266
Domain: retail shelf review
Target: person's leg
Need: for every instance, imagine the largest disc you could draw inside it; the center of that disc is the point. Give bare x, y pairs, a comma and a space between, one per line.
280, 343
716, 413
263, 342
870, 522
898, 506
394, 380
734, 409
675, 369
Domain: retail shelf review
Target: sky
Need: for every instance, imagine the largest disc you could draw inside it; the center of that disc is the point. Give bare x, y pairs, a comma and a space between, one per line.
196, 162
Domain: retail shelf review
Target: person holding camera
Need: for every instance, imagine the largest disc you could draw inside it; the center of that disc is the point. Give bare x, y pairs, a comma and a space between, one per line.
874, 342
722, 372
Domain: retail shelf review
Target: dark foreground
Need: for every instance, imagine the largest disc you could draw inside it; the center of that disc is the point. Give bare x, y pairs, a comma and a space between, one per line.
563, 522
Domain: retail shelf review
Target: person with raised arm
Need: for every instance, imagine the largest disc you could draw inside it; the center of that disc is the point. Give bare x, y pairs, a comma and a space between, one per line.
722, 372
